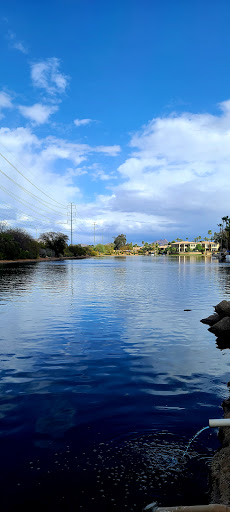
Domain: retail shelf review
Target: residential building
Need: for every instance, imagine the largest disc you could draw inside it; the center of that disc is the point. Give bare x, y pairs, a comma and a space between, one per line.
186, 246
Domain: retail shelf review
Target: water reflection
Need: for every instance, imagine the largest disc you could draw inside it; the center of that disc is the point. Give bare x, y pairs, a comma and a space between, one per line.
224, 279
15, 279
99, 351
223, 342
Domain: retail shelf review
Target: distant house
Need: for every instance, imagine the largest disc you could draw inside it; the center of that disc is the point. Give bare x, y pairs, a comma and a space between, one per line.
190, 246
163, 247
136, 249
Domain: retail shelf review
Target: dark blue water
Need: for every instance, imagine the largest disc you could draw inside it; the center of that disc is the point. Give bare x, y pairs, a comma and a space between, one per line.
104, 378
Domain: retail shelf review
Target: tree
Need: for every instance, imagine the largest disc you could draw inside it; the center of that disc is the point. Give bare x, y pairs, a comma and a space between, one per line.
28, 246
172, 250
119, 242
16, 243
57, 242
199, 248
9, 249
100, 248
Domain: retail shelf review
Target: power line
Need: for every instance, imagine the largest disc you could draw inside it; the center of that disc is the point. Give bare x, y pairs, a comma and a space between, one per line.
11, 194
40, 190
42, 201
31, 219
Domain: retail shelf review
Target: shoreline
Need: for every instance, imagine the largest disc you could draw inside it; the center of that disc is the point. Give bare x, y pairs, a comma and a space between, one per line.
62, 258
38, 260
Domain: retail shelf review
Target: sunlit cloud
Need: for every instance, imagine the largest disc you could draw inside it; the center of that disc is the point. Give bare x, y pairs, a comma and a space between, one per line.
38, 113
46, 75
82, 122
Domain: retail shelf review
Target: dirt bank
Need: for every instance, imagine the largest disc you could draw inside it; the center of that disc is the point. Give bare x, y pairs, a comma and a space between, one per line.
38, 260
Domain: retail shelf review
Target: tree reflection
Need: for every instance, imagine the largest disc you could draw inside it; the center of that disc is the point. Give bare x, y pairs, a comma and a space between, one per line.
16, 277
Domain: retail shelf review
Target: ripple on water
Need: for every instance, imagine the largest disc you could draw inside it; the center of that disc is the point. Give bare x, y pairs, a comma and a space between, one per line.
123, 474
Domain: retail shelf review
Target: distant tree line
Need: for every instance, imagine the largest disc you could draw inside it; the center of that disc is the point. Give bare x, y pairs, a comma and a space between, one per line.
17, 244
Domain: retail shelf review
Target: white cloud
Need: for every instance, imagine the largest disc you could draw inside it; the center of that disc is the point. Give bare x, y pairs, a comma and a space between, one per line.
176, 181
37, 113
178, 172
98, 173
18, 45
82, 122
14, 43
5, 100
52, 165
108, 150
46, 75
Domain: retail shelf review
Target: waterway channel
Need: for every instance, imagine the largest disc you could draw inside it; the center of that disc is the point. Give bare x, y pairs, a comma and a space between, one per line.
104, 378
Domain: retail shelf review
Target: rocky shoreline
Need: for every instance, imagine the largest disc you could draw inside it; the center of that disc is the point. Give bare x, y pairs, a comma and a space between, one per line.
220, 320
219, 323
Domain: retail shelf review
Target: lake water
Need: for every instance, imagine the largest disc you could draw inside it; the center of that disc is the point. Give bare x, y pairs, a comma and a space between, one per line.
105, 378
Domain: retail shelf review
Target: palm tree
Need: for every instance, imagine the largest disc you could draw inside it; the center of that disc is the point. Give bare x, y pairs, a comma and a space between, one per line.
221, 231
225, 219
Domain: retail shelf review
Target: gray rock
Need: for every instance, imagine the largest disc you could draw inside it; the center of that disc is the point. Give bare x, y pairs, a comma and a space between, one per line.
223, 308
211, 320
221, 327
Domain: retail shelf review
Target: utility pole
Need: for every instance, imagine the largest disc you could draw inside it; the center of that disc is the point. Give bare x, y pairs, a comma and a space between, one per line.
94, 224
72, 214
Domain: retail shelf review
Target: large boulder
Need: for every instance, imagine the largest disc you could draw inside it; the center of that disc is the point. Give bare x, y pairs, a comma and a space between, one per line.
211, 320
223, 308
222, 327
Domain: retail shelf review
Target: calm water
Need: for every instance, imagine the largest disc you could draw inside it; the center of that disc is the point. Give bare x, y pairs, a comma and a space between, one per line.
105, 378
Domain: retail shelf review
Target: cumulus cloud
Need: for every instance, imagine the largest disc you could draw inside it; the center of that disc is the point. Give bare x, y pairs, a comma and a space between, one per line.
178, 172
174, 182
46, 75
51, 164
82, 122
37, 113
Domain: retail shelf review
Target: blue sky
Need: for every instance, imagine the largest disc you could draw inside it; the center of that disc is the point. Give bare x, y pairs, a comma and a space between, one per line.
122, 108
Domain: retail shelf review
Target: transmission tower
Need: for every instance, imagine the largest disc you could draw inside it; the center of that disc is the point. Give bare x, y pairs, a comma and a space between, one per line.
94, 224
71, 217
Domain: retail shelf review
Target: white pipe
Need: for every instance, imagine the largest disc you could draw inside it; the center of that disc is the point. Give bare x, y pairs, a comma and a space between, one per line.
224, 422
